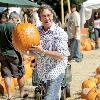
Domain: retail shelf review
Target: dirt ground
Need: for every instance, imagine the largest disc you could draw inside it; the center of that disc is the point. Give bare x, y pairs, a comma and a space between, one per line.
80, 72
83, 70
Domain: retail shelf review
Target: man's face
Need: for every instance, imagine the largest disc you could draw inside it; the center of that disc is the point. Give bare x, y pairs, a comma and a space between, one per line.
73, 9
3, 20
15, 20
46, 18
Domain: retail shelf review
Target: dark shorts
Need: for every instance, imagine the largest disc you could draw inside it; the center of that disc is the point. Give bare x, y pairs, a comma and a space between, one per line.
12, 66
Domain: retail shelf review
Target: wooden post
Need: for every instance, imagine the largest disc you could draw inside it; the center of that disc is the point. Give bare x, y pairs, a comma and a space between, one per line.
62, 13
25, 18
68, 2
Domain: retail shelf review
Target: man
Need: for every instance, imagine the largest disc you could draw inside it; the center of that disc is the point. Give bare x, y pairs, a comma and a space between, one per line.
52, 53
73, 30
11, 61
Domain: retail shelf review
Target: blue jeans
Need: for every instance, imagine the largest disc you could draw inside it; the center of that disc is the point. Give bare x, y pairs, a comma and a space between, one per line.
53, 87
74, 45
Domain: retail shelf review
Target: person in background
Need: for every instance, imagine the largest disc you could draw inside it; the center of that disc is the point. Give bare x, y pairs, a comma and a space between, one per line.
3, 14
11, 60
52, 53
73, 29
96, 25
13, 18
3, 18
36, 17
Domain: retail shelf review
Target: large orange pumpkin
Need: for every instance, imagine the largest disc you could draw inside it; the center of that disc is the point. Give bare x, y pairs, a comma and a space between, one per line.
25, 35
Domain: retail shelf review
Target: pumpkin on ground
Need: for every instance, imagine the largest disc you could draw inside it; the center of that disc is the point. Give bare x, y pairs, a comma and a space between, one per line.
93, 79
98, 80
93, 45
87, 85
25, 35
87, 44
94, 94
28, 70
15, 81
98, 70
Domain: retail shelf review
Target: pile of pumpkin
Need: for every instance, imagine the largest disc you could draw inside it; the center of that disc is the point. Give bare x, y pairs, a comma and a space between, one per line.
28, 75
91, 87
87, 44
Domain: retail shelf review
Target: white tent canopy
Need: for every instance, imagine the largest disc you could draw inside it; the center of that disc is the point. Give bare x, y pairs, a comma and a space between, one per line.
86, 10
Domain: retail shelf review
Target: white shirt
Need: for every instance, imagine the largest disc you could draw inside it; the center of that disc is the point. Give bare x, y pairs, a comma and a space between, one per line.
55, 39
73, 22
97, 23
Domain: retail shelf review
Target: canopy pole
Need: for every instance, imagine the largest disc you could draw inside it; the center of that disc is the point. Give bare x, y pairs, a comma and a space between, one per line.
68, 3
62, 13
25, 18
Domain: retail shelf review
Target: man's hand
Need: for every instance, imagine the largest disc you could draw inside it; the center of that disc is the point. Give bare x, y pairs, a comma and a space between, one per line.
37, 49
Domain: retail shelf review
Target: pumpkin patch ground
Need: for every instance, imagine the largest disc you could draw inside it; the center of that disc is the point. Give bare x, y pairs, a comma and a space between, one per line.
80, 72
